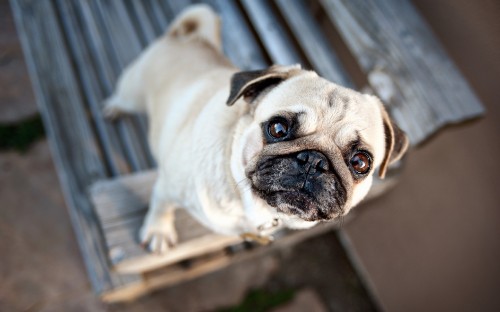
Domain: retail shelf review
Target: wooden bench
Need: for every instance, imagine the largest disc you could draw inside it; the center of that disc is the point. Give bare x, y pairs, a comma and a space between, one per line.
76, 49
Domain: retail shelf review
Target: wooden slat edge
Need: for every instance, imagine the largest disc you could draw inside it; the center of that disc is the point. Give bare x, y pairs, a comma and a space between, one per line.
157, 280
314, 42
405, 64
273, 35
138, 289
187, 250
239, 44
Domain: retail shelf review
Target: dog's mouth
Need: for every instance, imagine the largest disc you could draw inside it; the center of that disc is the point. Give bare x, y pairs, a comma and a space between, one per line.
285, 186
299, 203
302, 204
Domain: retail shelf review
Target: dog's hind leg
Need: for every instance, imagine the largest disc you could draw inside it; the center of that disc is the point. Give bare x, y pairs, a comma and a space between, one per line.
128, 96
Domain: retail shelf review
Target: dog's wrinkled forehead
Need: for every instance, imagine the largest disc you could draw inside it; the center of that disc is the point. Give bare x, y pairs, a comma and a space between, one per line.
324, 109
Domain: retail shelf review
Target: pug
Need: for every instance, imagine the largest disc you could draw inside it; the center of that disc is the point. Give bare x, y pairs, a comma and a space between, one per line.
248, 152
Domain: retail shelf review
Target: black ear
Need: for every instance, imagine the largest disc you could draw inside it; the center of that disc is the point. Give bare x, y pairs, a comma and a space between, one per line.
396, 143
251, 83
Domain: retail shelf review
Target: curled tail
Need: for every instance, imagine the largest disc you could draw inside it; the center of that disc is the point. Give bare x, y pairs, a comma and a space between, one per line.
197, 21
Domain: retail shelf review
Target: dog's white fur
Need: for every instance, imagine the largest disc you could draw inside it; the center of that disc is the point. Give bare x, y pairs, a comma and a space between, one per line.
204, 147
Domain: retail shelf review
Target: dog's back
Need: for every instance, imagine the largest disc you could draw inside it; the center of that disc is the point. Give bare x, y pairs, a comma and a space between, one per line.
169, 78
198, 23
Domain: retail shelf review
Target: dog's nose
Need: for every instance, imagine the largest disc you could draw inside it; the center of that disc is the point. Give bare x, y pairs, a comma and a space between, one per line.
313, 160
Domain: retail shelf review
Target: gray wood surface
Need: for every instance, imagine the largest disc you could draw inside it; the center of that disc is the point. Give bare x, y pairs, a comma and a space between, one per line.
313, 41
273, 34
405, 64
107, 134
123, 44
240, 45
76, 49
72, 140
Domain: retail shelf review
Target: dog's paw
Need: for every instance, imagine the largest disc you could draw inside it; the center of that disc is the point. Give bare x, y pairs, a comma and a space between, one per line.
113, 109
112, 112
158, 238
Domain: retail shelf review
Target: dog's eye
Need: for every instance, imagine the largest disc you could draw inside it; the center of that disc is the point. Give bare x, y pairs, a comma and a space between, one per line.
278, 128
361, 162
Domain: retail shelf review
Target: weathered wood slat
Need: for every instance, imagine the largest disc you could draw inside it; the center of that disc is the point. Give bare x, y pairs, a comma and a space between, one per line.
95, 43
202, 245
240, 45
158, 16
124, 45
131, 36
108, 67
140, 121
405, 64
273, 35
314, 43
137, 10
78, 164
170, 9
109, 141
169, 276
173, 274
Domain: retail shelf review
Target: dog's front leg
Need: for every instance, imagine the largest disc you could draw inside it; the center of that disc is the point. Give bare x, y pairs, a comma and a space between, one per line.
158, 232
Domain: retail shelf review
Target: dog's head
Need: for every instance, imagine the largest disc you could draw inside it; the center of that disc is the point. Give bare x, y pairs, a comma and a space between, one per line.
309, 147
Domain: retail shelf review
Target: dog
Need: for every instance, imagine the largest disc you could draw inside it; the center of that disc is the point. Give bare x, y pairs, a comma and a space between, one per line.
249, 151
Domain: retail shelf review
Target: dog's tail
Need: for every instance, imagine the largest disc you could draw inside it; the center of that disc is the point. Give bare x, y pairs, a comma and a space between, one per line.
197, 21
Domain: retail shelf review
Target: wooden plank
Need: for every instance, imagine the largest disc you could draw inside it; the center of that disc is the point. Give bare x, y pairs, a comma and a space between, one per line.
405, 64
175, 7
174, 274
108, 67
64, 116
138, 12
313, 41
187, 250
109, 141
122, 44
240, 45
162, 14
273, 35
170, 276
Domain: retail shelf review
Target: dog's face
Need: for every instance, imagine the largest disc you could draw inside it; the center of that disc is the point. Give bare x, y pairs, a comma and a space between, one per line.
311, 147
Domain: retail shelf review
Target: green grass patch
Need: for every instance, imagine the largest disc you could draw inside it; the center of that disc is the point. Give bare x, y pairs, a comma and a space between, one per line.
261, 301
21, 135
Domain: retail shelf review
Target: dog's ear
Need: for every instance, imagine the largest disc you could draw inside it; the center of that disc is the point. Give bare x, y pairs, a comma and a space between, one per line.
396, 142
250, 84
